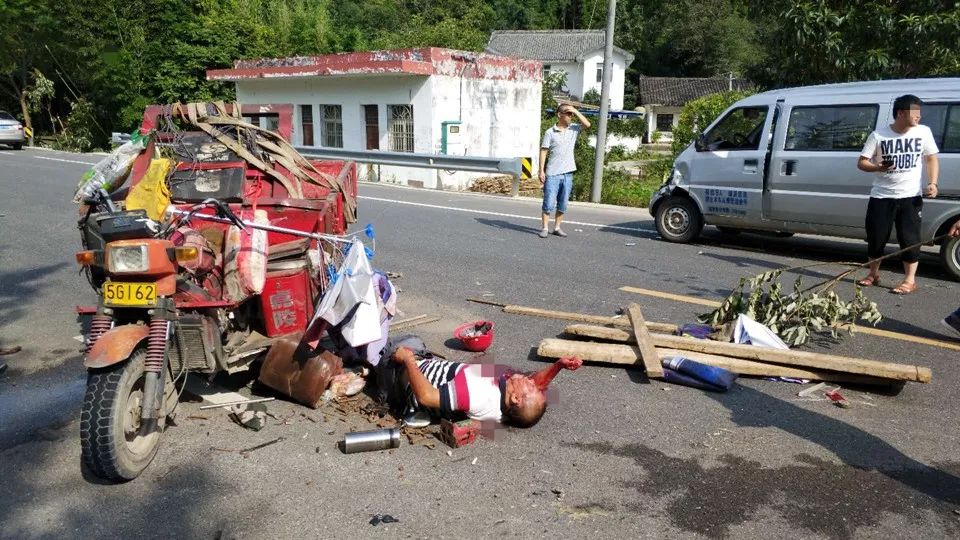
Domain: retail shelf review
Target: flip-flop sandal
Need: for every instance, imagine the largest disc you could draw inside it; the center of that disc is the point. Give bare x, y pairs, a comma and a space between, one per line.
904, 288
869, 281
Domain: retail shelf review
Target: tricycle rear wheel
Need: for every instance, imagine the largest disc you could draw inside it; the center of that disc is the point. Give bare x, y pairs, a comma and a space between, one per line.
110, 443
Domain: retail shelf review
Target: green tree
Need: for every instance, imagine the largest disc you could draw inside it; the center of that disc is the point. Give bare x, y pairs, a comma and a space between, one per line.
816, 41
27, 26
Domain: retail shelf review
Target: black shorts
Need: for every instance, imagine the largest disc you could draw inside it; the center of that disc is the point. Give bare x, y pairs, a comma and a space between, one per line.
883, 215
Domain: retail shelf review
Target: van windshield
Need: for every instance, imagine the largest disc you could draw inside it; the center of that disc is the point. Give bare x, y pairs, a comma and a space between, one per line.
740, 129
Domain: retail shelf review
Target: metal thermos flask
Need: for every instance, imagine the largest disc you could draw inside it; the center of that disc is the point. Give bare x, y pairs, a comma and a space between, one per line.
366, 441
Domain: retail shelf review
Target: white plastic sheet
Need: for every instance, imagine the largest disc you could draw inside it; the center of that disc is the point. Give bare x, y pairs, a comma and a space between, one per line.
750, 331
354, 288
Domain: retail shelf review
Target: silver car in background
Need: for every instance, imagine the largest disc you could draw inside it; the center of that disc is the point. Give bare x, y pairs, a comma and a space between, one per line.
785, 161
11, 131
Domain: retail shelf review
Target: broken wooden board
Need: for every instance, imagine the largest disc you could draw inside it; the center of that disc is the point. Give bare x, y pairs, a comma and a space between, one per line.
628, 355
413, 321
580, 317
857, 366
648, 352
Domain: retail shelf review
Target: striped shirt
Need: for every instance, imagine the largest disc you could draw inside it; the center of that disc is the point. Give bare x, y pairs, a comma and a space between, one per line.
471, 389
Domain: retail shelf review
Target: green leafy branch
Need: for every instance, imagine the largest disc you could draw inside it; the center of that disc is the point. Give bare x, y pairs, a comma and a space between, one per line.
806, 311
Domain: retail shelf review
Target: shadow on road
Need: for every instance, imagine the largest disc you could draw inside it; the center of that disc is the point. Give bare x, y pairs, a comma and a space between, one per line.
820, 496
19, 288
503, 224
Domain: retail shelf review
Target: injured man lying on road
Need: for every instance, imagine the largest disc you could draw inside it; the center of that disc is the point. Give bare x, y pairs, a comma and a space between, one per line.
419, 385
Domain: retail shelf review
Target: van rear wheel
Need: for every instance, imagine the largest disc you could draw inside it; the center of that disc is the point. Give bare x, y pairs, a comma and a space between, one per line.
679, 220
950, 255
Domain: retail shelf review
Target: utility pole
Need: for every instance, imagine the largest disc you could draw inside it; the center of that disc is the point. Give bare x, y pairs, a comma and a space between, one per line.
604, 104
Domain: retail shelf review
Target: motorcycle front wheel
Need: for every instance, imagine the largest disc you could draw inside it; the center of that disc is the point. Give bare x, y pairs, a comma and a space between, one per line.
110, 441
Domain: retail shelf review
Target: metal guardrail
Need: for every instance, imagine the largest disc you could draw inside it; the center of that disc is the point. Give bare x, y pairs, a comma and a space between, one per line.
511, 166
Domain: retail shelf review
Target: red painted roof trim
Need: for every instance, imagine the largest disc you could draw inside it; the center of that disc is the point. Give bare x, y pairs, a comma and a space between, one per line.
423, 62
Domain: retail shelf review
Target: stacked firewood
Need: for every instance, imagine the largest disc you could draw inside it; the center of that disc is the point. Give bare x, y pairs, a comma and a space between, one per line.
503, 184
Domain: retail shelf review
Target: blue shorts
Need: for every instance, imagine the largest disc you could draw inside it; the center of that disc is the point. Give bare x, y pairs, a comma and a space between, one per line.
556, 192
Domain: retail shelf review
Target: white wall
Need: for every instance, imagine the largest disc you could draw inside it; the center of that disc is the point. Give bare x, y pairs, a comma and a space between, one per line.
651, 116
352, 93
630, 144
501, 118
589, 77
574, 73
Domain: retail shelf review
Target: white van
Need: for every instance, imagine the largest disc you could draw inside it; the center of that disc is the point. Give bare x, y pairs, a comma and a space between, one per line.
786, 161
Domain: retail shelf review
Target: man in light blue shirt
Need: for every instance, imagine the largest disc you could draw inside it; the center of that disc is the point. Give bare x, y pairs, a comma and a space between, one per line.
557, 165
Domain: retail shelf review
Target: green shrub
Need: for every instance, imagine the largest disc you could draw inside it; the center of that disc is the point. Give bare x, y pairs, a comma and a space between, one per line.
77, 135
591, 97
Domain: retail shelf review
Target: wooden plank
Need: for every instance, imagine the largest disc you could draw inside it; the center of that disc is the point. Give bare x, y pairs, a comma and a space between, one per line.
859, 366
581, 317
648, 353
410, 323
599, 332
612, 353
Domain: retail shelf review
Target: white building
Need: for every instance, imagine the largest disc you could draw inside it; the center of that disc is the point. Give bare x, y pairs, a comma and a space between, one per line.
578, 53
427, 100
664, 97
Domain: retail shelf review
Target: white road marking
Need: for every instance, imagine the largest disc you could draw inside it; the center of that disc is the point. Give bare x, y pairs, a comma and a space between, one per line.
501, 214
65, 160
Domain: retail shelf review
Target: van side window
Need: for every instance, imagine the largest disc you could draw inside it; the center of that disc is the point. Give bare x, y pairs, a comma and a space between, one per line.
943, 119
951, 135
834, 128
740, 129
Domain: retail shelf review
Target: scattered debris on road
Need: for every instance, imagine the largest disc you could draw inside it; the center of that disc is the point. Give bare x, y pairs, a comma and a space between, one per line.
383, 518
612, 343
246, 451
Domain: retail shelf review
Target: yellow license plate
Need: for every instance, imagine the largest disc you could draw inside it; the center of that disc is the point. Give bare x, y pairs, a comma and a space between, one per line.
129, 294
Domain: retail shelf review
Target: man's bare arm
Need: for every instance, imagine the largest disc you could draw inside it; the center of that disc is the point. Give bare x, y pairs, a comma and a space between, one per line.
865, 165
932, 165
543, 377
426, 394
543, 165
583, 120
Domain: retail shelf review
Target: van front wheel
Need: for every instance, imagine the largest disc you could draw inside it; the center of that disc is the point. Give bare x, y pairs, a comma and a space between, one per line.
950, 255
679, 220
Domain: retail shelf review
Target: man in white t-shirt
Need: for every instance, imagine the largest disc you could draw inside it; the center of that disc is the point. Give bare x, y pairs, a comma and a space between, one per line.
897, 153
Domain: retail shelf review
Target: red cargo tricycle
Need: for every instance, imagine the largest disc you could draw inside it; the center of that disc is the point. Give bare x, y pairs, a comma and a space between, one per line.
250, 237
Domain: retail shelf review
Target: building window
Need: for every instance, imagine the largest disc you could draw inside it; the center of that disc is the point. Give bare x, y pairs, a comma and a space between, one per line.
272, 123
830, 128
401, 128
371, 120
546, 71
331, 117
665, 123
599, 73
306, 125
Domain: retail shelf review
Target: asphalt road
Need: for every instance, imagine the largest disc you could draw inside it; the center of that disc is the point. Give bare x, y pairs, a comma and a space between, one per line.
615, 456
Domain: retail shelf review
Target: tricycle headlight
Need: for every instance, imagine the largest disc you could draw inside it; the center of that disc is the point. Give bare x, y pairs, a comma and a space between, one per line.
124, 259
